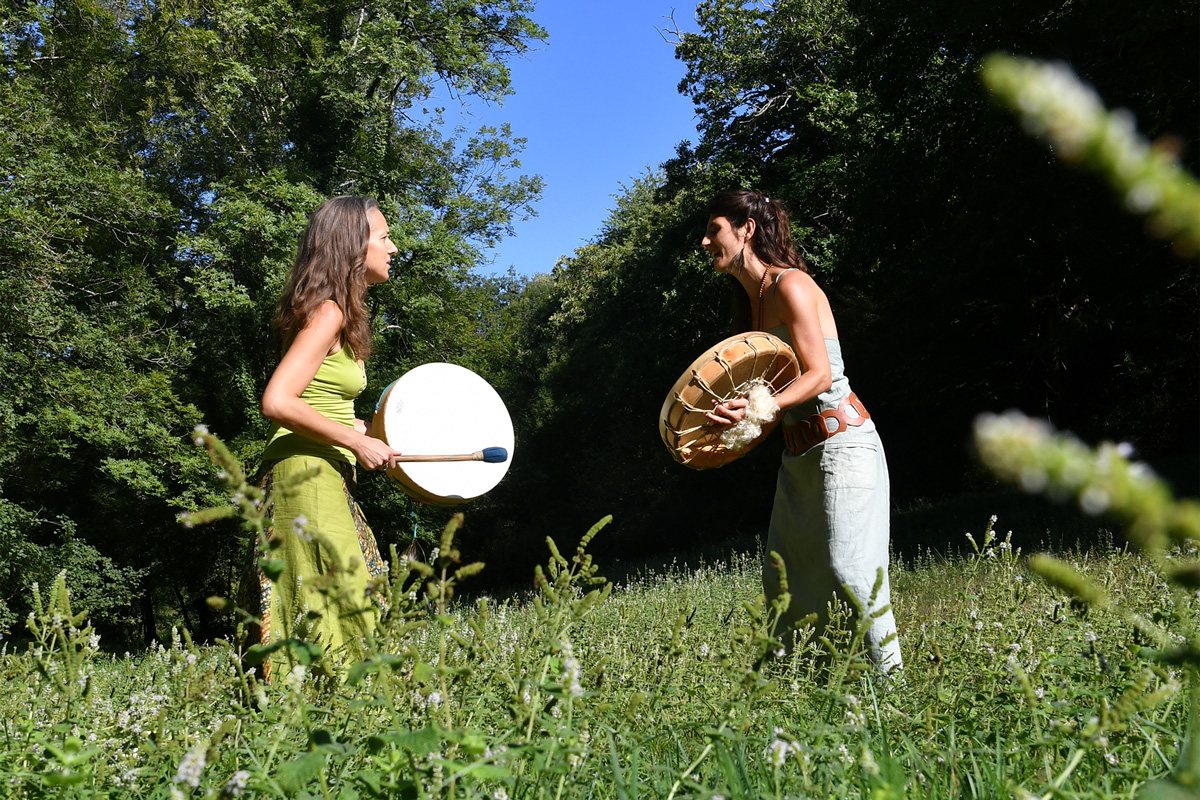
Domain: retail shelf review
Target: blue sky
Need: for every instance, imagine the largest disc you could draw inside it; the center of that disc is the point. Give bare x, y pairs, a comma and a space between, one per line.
598, 105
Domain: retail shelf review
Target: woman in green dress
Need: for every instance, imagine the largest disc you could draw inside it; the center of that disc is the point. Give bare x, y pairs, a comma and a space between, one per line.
325, 594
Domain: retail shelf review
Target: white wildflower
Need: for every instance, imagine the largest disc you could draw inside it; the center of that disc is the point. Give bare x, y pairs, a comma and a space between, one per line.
1142, 197
1140, 470
856, 717
1094, 500
569, 679
295, 678
299, 527
192, 766
779, 749
236, 785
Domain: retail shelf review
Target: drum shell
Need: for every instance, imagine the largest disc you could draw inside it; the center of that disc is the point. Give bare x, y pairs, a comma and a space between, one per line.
724, 372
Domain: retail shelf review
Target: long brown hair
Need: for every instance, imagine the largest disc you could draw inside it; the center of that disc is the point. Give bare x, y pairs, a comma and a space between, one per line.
330, 266
772, 241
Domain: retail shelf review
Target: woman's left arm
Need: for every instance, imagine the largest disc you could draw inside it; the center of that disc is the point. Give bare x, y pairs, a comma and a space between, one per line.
799, 301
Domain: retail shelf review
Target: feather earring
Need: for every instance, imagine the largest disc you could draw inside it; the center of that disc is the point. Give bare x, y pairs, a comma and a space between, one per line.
739, 261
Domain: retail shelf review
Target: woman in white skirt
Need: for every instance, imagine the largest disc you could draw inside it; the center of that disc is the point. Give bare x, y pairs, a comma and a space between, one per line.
830, 521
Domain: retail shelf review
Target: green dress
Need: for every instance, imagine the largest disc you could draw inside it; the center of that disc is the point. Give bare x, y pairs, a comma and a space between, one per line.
327, 592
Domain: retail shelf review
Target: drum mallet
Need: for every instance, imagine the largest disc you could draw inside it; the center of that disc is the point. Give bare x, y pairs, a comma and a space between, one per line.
492, 455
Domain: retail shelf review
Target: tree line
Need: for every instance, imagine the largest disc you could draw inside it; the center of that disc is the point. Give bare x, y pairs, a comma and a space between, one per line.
160, 160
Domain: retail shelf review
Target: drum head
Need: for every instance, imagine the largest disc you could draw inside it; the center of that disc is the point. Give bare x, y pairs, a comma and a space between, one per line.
725, 372
444, 409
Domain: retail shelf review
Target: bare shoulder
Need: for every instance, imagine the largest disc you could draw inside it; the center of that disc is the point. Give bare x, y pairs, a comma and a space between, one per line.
798, 287
328, 314
801, 298
323, 330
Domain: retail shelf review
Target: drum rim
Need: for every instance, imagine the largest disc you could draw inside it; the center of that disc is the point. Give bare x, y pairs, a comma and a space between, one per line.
685, 379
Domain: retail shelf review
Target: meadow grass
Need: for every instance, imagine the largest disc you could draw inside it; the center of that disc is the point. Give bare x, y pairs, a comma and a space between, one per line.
665, 686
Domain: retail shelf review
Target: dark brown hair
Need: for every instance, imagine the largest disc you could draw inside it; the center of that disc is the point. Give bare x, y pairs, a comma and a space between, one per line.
772, 241
330, 266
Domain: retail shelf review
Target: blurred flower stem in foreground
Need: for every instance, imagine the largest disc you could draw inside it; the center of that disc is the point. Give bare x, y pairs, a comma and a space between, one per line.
1055, 105
1030, 453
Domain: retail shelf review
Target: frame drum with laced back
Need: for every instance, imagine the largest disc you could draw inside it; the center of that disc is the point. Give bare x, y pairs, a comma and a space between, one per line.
448, 417
732, 369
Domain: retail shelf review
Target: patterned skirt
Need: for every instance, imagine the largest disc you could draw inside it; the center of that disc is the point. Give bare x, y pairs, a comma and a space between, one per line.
329, 591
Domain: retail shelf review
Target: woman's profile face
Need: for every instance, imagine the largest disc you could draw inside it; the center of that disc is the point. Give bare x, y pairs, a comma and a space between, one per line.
379, 248
723, 242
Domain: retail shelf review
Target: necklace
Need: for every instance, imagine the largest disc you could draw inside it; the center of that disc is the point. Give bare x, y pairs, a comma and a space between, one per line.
762, 287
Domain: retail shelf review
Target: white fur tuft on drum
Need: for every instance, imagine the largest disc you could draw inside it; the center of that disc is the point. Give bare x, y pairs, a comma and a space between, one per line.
754, 365
449, 413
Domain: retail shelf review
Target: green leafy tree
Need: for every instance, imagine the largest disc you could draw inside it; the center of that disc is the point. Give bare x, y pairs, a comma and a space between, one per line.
952, 249
160, 161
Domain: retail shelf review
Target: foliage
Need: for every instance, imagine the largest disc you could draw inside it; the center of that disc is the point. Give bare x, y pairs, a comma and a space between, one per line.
160, 161
1028, 451
966, 272
1057, 107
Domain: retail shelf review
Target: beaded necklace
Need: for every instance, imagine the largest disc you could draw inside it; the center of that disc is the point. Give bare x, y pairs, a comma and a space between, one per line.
762, 287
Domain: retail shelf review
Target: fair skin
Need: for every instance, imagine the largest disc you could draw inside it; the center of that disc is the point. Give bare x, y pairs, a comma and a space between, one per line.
321, 337
794, 300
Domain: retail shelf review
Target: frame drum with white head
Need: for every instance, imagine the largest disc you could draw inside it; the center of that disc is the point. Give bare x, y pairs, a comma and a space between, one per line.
444, 409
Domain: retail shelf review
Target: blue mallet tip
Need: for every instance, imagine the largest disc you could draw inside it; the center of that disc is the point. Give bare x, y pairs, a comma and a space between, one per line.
495, 455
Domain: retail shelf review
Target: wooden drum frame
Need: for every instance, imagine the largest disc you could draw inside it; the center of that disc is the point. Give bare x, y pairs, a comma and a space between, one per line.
725, 372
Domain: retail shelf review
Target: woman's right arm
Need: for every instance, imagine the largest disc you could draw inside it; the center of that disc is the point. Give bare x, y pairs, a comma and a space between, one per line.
282, 404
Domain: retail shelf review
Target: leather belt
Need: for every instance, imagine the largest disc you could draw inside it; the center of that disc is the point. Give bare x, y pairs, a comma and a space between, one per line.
799, 438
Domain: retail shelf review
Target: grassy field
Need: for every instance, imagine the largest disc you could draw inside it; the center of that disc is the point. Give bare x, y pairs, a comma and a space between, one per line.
662, 687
